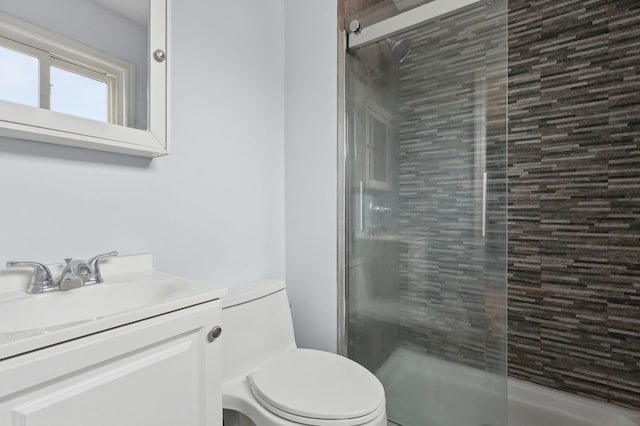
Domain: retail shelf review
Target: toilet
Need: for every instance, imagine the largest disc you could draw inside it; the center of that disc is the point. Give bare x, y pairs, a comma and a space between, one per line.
269, 380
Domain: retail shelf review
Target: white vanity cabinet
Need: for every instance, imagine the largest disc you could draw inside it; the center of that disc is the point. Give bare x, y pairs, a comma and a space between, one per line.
161, 371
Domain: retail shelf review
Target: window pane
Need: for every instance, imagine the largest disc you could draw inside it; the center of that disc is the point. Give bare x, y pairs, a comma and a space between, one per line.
78, 95
19, 77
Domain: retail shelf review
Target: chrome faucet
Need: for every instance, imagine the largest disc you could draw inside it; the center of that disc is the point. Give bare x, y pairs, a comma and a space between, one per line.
76, 273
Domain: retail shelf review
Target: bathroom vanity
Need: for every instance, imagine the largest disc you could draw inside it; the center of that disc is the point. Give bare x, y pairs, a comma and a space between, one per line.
142, 348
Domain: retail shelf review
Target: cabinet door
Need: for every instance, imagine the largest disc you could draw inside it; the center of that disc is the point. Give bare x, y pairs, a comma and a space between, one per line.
158, 372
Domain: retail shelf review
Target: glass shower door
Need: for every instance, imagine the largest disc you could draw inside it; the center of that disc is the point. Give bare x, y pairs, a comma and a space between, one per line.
426, 212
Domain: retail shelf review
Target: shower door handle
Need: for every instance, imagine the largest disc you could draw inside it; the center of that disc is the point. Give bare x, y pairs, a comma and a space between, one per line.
361, 205
484, 204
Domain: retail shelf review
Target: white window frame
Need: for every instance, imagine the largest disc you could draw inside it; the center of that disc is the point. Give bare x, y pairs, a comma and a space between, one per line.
37, 124
52, 49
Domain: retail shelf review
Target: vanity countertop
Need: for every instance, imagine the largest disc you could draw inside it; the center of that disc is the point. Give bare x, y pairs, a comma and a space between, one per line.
132, 291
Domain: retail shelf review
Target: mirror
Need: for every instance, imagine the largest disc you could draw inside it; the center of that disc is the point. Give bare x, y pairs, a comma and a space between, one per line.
83, 73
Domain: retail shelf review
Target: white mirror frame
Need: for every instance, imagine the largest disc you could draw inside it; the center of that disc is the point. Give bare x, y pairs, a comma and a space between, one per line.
41, 125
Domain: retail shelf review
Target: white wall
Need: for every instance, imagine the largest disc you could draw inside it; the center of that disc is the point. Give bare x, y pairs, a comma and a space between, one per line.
212, 210
311, 169
215, 208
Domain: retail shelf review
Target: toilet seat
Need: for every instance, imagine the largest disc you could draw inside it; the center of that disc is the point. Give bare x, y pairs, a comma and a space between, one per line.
317, 388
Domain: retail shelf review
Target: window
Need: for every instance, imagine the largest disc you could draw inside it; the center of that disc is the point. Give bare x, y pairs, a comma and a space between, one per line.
19, 77
77, 94
43, 69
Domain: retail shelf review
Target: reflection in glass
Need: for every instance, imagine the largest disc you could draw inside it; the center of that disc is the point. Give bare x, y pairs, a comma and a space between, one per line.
49, 31
78, 95
19, 77
379, 147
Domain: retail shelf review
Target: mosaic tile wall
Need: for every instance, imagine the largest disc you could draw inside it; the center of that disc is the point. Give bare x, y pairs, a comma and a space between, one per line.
574, 196
452, 94
574, 193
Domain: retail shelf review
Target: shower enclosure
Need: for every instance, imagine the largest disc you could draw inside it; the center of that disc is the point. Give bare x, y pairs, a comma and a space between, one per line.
425, 208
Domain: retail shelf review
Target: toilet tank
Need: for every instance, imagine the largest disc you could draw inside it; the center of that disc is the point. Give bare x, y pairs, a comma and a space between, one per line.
256, 324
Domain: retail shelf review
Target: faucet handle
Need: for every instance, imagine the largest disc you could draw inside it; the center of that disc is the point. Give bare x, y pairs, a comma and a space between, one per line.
41, 281
95, 267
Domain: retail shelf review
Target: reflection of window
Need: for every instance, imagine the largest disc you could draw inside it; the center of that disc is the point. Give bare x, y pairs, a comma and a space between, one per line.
42, 69
379, 134
379, 155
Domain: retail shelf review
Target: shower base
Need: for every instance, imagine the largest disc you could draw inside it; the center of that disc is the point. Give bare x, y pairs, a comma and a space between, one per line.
426, 391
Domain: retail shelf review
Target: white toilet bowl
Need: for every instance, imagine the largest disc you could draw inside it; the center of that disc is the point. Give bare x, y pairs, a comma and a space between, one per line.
268, 379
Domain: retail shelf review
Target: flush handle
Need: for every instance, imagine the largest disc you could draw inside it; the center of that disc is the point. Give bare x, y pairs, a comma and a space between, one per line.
214, 333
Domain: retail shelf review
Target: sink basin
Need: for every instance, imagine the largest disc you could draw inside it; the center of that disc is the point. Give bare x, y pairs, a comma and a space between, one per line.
133, 291
24, 313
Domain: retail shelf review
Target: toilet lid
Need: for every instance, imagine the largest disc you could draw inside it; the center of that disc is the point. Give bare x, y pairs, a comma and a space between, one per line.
317, 385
